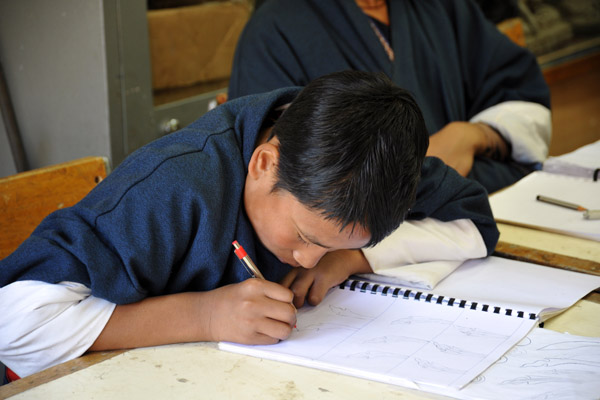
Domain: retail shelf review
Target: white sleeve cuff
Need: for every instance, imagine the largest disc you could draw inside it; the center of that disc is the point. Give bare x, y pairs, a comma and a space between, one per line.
525, 125
422, 253
43, 324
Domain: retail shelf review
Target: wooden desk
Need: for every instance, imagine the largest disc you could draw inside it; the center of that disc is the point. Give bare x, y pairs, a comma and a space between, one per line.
550, 249
200, 370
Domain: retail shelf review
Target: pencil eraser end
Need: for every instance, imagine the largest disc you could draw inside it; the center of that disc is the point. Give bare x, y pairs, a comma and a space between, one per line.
240, 252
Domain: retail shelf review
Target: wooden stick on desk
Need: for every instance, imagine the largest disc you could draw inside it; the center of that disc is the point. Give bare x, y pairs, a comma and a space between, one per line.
522, 253
548, 259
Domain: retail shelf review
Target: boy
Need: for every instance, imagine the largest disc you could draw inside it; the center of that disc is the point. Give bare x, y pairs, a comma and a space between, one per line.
146, 258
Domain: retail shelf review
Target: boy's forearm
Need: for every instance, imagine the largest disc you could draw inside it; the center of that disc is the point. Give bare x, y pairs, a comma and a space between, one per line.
176, 318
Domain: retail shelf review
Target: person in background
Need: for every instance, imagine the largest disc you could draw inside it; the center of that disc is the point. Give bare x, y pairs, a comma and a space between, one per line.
485, 101
302, 178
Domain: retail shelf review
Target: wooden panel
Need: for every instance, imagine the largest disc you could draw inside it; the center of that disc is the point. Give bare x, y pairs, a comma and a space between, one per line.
194, 44
28, 197
575, 97
573, 68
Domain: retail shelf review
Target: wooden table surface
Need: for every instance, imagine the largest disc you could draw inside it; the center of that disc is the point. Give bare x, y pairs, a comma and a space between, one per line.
200, 370
571, 253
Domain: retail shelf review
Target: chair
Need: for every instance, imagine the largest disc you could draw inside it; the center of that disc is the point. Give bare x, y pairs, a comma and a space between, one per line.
26, 198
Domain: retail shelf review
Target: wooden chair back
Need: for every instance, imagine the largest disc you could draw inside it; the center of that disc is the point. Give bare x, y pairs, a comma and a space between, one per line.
26, 198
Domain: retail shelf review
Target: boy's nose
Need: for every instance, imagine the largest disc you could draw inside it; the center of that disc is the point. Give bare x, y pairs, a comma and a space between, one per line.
309, 257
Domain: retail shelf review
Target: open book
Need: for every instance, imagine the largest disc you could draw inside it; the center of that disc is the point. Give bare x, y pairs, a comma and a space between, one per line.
572, 178
426, 340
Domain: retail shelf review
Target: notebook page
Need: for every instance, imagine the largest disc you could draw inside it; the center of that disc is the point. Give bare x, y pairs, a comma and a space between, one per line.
407, 342
544, 365
517, 204
438, 341
517, 285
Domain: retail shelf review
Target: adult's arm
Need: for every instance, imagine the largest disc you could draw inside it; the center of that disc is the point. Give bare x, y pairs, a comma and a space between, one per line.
504, 84
527, 126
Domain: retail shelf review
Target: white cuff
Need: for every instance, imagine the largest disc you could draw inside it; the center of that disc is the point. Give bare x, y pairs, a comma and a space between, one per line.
422, 253
43, 324
525, 125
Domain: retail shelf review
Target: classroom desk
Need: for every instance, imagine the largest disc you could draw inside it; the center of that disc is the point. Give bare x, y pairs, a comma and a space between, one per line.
200, 370
548, 248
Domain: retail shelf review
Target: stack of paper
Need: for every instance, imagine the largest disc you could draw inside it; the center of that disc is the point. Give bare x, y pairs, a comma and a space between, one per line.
518, 204
583, 162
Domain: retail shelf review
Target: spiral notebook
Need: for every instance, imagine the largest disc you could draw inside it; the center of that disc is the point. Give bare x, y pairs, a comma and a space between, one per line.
426, 340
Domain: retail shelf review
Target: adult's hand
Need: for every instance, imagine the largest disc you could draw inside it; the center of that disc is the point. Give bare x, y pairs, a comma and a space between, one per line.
459, 142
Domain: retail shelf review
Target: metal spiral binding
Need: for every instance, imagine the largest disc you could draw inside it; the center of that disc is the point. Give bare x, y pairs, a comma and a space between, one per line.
387, 290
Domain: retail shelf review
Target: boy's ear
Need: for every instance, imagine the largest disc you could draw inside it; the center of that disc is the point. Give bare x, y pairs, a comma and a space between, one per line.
263, 161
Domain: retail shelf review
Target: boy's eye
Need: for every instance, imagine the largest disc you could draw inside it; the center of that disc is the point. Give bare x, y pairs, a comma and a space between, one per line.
302, 240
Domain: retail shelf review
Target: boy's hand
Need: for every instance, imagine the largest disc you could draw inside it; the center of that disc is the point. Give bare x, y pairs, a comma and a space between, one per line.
255, 311
313, 284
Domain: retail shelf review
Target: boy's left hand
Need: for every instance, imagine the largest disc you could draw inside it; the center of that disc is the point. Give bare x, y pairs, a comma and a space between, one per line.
313, 284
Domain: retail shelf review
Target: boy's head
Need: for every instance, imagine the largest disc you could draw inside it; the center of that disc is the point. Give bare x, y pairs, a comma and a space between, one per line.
349, 149
351, 146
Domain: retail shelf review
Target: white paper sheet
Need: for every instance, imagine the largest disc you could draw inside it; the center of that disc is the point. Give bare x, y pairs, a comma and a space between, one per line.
544, 365
506, 283
420, 343
395, 340
582, 162
517, 204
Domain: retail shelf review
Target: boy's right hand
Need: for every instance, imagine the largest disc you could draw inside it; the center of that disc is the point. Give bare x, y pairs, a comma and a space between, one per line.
255, 311
251, 312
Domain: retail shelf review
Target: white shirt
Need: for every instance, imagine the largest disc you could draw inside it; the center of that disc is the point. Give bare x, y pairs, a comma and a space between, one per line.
526, 126
44, 324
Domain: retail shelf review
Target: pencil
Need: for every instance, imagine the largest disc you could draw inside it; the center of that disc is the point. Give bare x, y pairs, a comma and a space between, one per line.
560, 203
247, 261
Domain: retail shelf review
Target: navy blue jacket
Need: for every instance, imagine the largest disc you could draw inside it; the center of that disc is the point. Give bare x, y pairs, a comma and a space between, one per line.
453, 61
164, 220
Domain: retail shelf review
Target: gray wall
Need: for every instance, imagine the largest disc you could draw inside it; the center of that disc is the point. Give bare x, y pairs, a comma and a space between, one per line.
79, 76
54, 62
6, 159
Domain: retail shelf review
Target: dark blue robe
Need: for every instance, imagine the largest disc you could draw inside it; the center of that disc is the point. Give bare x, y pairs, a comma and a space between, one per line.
164, 220
454, 61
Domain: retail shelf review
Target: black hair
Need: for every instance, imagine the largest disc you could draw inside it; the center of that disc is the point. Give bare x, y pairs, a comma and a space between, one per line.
351, 146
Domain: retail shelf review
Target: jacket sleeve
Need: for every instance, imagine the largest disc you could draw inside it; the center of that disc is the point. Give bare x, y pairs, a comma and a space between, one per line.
503, 82
421, 253
446, 196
